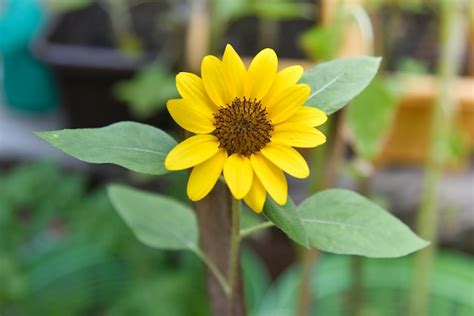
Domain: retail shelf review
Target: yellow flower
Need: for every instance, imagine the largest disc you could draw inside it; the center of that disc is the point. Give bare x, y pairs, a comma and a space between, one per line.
246, 122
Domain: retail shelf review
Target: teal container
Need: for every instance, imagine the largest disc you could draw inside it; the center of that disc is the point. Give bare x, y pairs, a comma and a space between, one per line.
28, 85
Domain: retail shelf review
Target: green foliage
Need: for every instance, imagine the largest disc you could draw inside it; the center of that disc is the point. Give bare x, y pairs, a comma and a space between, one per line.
331, 282
412, 65
370, 115
147, 92
64, 251
156, 220
343, 222
287, 219
320, 42
335, 83
228, 10
164, 293
280, 9
67, 5
256, 280
138, 147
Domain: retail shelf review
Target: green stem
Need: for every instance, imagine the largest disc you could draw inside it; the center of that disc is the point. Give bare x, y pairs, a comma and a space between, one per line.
214, 270
356, 300
357, 288
248, 231
234, 249
427, 221
325, 162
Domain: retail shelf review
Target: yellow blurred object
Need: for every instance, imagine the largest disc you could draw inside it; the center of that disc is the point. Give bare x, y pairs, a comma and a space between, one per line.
408, 139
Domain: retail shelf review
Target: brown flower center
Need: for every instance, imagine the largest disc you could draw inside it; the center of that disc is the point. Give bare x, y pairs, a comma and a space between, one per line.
242, 127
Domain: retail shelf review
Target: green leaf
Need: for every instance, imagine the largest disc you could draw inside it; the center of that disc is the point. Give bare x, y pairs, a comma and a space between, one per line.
370, 116
287, 218
321, 42
345, 222
147, 92
282, 10
138, 147
335, 83
156, 220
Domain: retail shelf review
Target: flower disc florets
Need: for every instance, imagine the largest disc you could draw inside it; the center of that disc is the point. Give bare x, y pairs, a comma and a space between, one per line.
242, 127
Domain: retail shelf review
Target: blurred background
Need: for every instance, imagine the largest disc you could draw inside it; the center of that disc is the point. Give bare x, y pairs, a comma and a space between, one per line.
406, 142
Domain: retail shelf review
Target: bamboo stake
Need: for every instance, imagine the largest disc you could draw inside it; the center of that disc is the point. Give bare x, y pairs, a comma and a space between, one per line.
427, 221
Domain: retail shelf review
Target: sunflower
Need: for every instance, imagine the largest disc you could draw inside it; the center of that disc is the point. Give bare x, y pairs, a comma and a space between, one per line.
246, 123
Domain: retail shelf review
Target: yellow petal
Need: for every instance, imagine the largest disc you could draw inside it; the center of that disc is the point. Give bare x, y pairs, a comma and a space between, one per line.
214, 79
272, 178
309, 116
294, 135
285, 79
235, 72
205, 175
191, 116
261, 74
191, 88
288, 159
255, 199
288, 103
191, 152
238, 175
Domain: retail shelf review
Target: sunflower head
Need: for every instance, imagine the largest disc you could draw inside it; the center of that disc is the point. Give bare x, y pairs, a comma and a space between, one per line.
246, 123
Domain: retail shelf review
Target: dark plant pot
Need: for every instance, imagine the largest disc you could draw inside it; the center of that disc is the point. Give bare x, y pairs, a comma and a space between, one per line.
79, 46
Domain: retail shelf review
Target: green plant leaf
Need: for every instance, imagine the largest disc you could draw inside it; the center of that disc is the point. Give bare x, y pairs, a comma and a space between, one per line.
335, 83
321, 42
370, 116
287, 218
156, 220
147, 92
344, 222
138, 147
282, 10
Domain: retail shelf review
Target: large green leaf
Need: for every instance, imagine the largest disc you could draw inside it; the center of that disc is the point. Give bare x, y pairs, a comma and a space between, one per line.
335, 83
138, 147
156, 220
287, 218
370, 116
345, 222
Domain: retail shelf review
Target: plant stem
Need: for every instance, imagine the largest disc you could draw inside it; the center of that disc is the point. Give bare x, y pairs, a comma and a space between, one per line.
234, 248
356, 299
325, 162
214, 270
248, 231
357, 288
427, 221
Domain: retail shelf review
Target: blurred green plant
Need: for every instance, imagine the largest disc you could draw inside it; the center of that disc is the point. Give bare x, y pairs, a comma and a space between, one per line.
370, 116
63, 251
331, 282
147, 92
225, 12
412, 65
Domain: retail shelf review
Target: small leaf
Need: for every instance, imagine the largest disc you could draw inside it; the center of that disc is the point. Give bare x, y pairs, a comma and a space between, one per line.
335, 83
287, 218
370, 116
138, 147
156, 220
345, 222
147, 92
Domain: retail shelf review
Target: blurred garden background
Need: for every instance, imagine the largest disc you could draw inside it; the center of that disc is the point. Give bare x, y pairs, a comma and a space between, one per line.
406, 142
